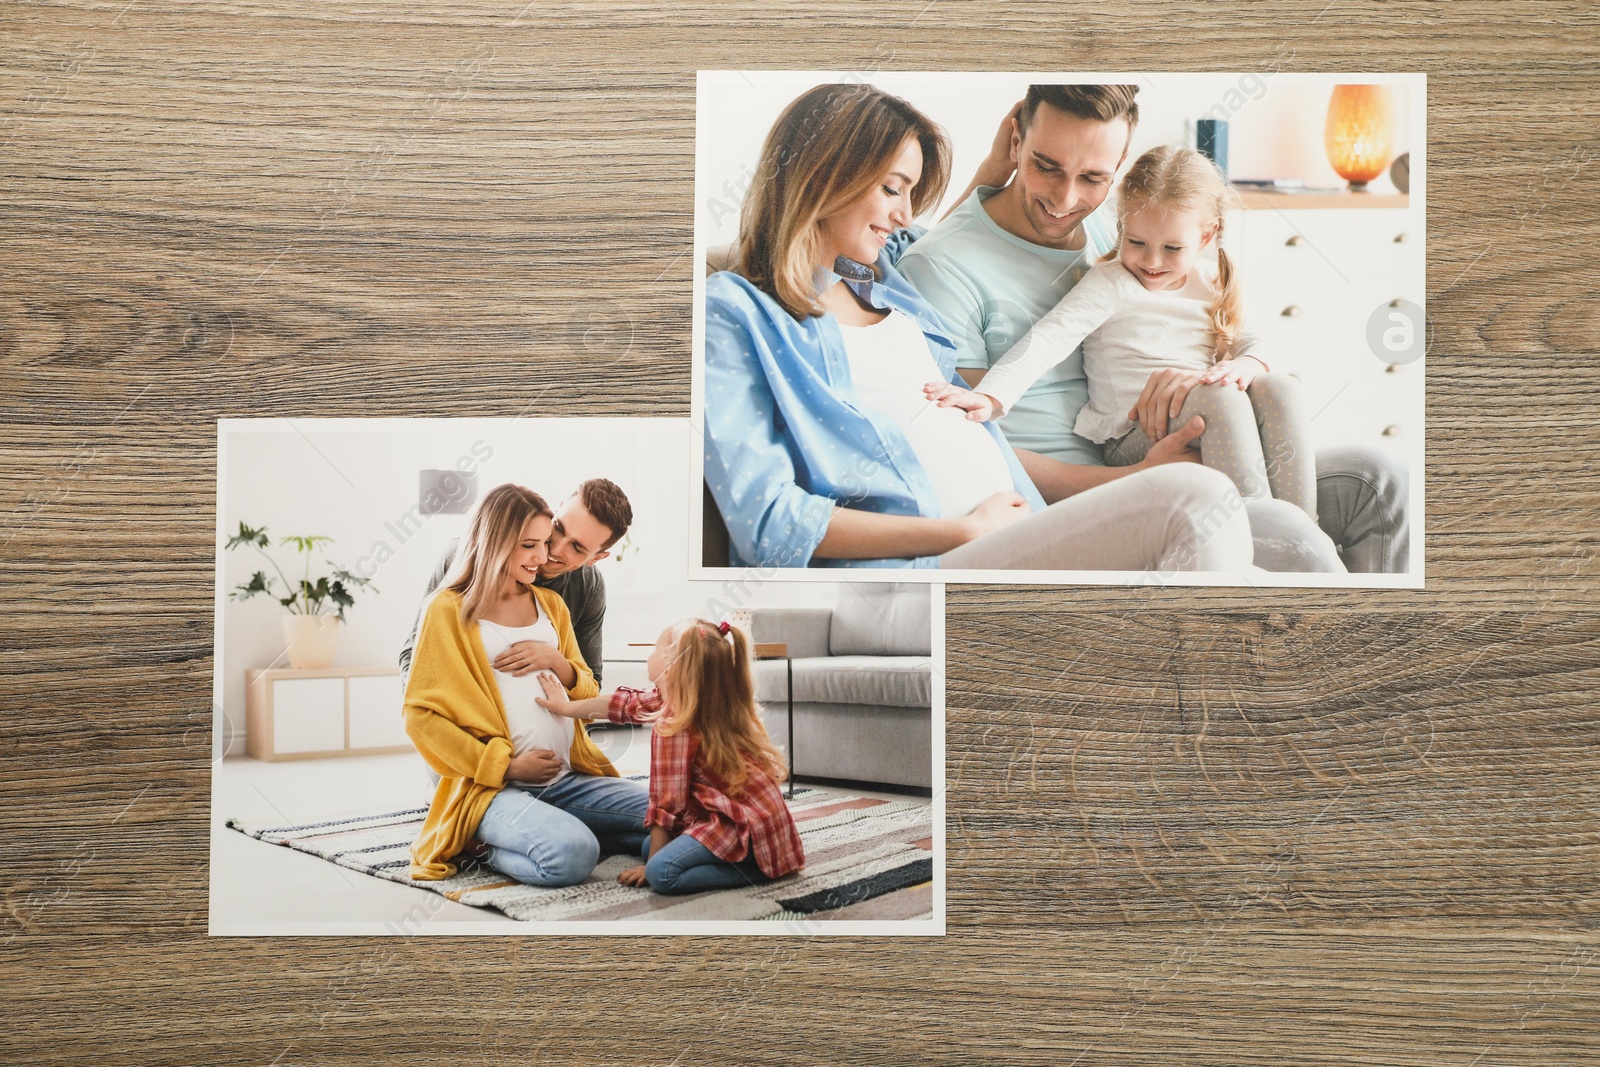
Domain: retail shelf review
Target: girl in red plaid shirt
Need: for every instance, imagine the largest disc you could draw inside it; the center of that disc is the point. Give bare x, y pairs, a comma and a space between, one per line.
717, 818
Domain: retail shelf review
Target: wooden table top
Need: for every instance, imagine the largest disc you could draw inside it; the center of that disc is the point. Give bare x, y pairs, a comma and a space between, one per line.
1186, 826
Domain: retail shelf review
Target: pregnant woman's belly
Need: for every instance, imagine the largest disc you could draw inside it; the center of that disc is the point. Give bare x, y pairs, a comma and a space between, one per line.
889, 365
530, 725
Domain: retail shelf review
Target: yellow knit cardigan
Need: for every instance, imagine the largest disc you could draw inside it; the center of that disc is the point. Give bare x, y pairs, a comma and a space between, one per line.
455, 717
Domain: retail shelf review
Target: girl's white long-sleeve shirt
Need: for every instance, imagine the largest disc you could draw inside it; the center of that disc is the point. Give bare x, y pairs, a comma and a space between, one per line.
1127, 333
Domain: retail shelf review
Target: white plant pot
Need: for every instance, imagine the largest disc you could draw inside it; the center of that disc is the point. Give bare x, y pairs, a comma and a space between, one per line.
312, 640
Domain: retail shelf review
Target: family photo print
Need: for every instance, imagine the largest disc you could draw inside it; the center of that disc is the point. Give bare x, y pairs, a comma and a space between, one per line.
1112, 328
465, 683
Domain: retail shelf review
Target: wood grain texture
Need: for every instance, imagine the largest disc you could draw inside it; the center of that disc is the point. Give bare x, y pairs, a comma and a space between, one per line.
1186, 826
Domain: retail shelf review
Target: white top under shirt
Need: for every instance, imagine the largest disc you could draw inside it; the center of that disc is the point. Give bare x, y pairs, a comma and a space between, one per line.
531, 726
1127, 333
889, 364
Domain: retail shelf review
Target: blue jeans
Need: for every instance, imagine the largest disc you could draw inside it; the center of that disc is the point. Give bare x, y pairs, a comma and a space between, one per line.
1363, 500
684, 865
551, 835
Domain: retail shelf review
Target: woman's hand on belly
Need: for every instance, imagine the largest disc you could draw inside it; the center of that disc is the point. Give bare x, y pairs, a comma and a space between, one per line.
996, 512
537, 765
855, 534
527, 656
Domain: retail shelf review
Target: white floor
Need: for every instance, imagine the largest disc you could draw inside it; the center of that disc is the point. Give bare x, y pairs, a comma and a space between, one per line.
255, 883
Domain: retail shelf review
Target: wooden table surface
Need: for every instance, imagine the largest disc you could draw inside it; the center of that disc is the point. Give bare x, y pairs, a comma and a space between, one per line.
1186, 826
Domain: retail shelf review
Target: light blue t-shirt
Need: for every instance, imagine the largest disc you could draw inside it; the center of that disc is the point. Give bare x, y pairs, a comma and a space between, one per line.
989, 287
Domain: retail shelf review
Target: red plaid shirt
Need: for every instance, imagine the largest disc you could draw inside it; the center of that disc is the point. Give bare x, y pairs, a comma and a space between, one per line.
686, 797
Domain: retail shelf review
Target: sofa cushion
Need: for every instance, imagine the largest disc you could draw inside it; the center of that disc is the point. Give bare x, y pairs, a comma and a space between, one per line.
874, 681
803, 630
892, 745
882, 619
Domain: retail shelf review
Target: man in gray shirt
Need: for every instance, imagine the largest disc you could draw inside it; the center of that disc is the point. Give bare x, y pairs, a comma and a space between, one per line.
586, 525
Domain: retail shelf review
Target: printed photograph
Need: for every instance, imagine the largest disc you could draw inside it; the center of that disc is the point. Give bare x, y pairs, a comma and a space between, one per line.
465, 684
1113, 329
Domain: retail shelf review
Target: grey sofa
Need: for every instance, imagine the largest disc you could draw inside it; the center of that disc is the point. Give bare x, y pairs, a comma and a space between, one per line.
863, 684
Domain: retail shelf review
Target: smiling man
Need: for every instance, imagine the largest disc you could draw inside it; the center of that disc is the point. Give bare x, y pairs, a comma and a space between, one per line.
1022, 236
586, 525
1008, 253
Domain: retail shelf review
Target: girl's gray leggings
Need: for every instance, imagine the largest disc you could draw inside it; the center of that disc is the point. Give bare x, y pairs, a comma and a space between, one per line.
1260, 438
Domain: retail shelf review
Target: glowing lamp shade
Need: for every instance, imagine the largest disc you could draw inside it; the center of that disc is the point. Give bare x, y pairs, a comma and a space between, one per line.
1358, 133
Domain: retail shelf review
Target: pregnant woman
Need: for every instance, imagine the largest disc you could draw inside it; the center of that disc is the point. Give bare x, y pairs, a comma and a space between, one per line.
528, 785
820, 447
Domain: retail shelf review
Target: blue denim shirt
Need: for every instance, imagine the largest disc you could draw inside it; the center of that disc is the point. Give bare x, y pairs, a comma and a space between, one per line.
785, 438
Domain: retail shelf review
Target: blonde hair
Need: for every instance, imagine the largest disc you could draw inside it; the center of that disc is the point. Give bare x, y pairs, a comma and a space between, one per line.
480, 563
827, 150
1185, 179
708, 687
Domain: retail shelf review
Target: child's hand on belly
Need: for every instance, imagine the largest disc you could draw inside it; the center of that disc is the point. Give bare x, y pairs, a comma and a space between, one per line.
555, 699
980, 407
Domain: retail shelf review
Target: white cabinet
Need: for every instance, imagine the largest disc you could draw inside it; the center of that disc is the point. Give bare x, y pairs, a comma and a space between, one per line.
1312, 272
307, 715
338, 711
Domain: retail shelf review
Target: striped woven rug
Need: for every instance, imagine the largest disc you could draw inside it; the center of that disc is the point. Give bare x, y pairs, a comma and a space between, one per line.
866, 858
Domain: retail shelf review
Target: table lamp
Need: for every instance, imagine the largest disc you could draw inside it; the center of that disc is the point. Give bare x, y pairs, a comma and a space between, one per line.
1357, 134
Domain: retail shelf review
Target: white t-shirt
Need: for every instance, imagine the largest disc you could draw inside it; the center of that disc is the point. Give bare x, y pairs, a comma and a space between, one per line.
889, 364
531, 726
1127, 333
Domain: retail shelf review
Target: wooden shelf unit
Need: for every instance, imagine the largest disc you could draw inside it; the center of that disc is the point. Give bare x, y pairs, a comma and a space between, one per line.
319, 714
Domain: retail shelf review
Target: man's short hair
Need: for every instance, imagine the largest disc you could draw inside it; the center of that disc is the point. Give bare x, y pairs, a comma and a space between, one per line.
605, 500
1102, 103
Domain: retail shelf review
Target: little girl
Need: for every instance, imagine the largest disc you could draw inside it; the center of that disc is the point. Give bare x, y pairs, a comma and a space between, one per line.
717, 818
1149, 305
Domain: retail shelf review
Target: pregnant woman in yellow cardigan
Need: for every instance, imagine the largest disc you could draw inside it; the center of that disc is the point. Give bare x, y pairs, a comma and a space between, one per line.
526, 785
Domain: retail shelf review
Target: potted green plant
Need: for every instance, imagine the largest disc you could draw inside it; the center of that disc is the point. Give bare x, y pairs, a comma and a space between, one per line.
316, 608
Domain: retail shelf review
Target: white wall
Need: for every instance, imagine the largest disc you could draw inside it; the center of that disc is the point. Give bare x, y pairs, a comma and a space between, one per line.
355, 481
1275, 123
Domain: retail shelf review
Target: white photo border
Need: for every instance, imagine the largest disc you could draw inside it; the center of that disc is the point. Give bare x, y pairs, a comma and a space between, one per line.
1415, 454
930, 927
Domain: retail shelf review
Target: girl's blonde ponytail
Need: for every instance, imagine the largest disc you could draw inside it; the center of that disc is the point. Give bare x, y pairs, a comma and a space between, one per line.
1226, 313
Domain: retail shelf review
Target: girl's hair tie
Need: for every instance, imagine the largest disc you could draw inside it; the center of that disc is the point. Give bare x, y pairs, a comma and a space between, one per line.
722, 627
